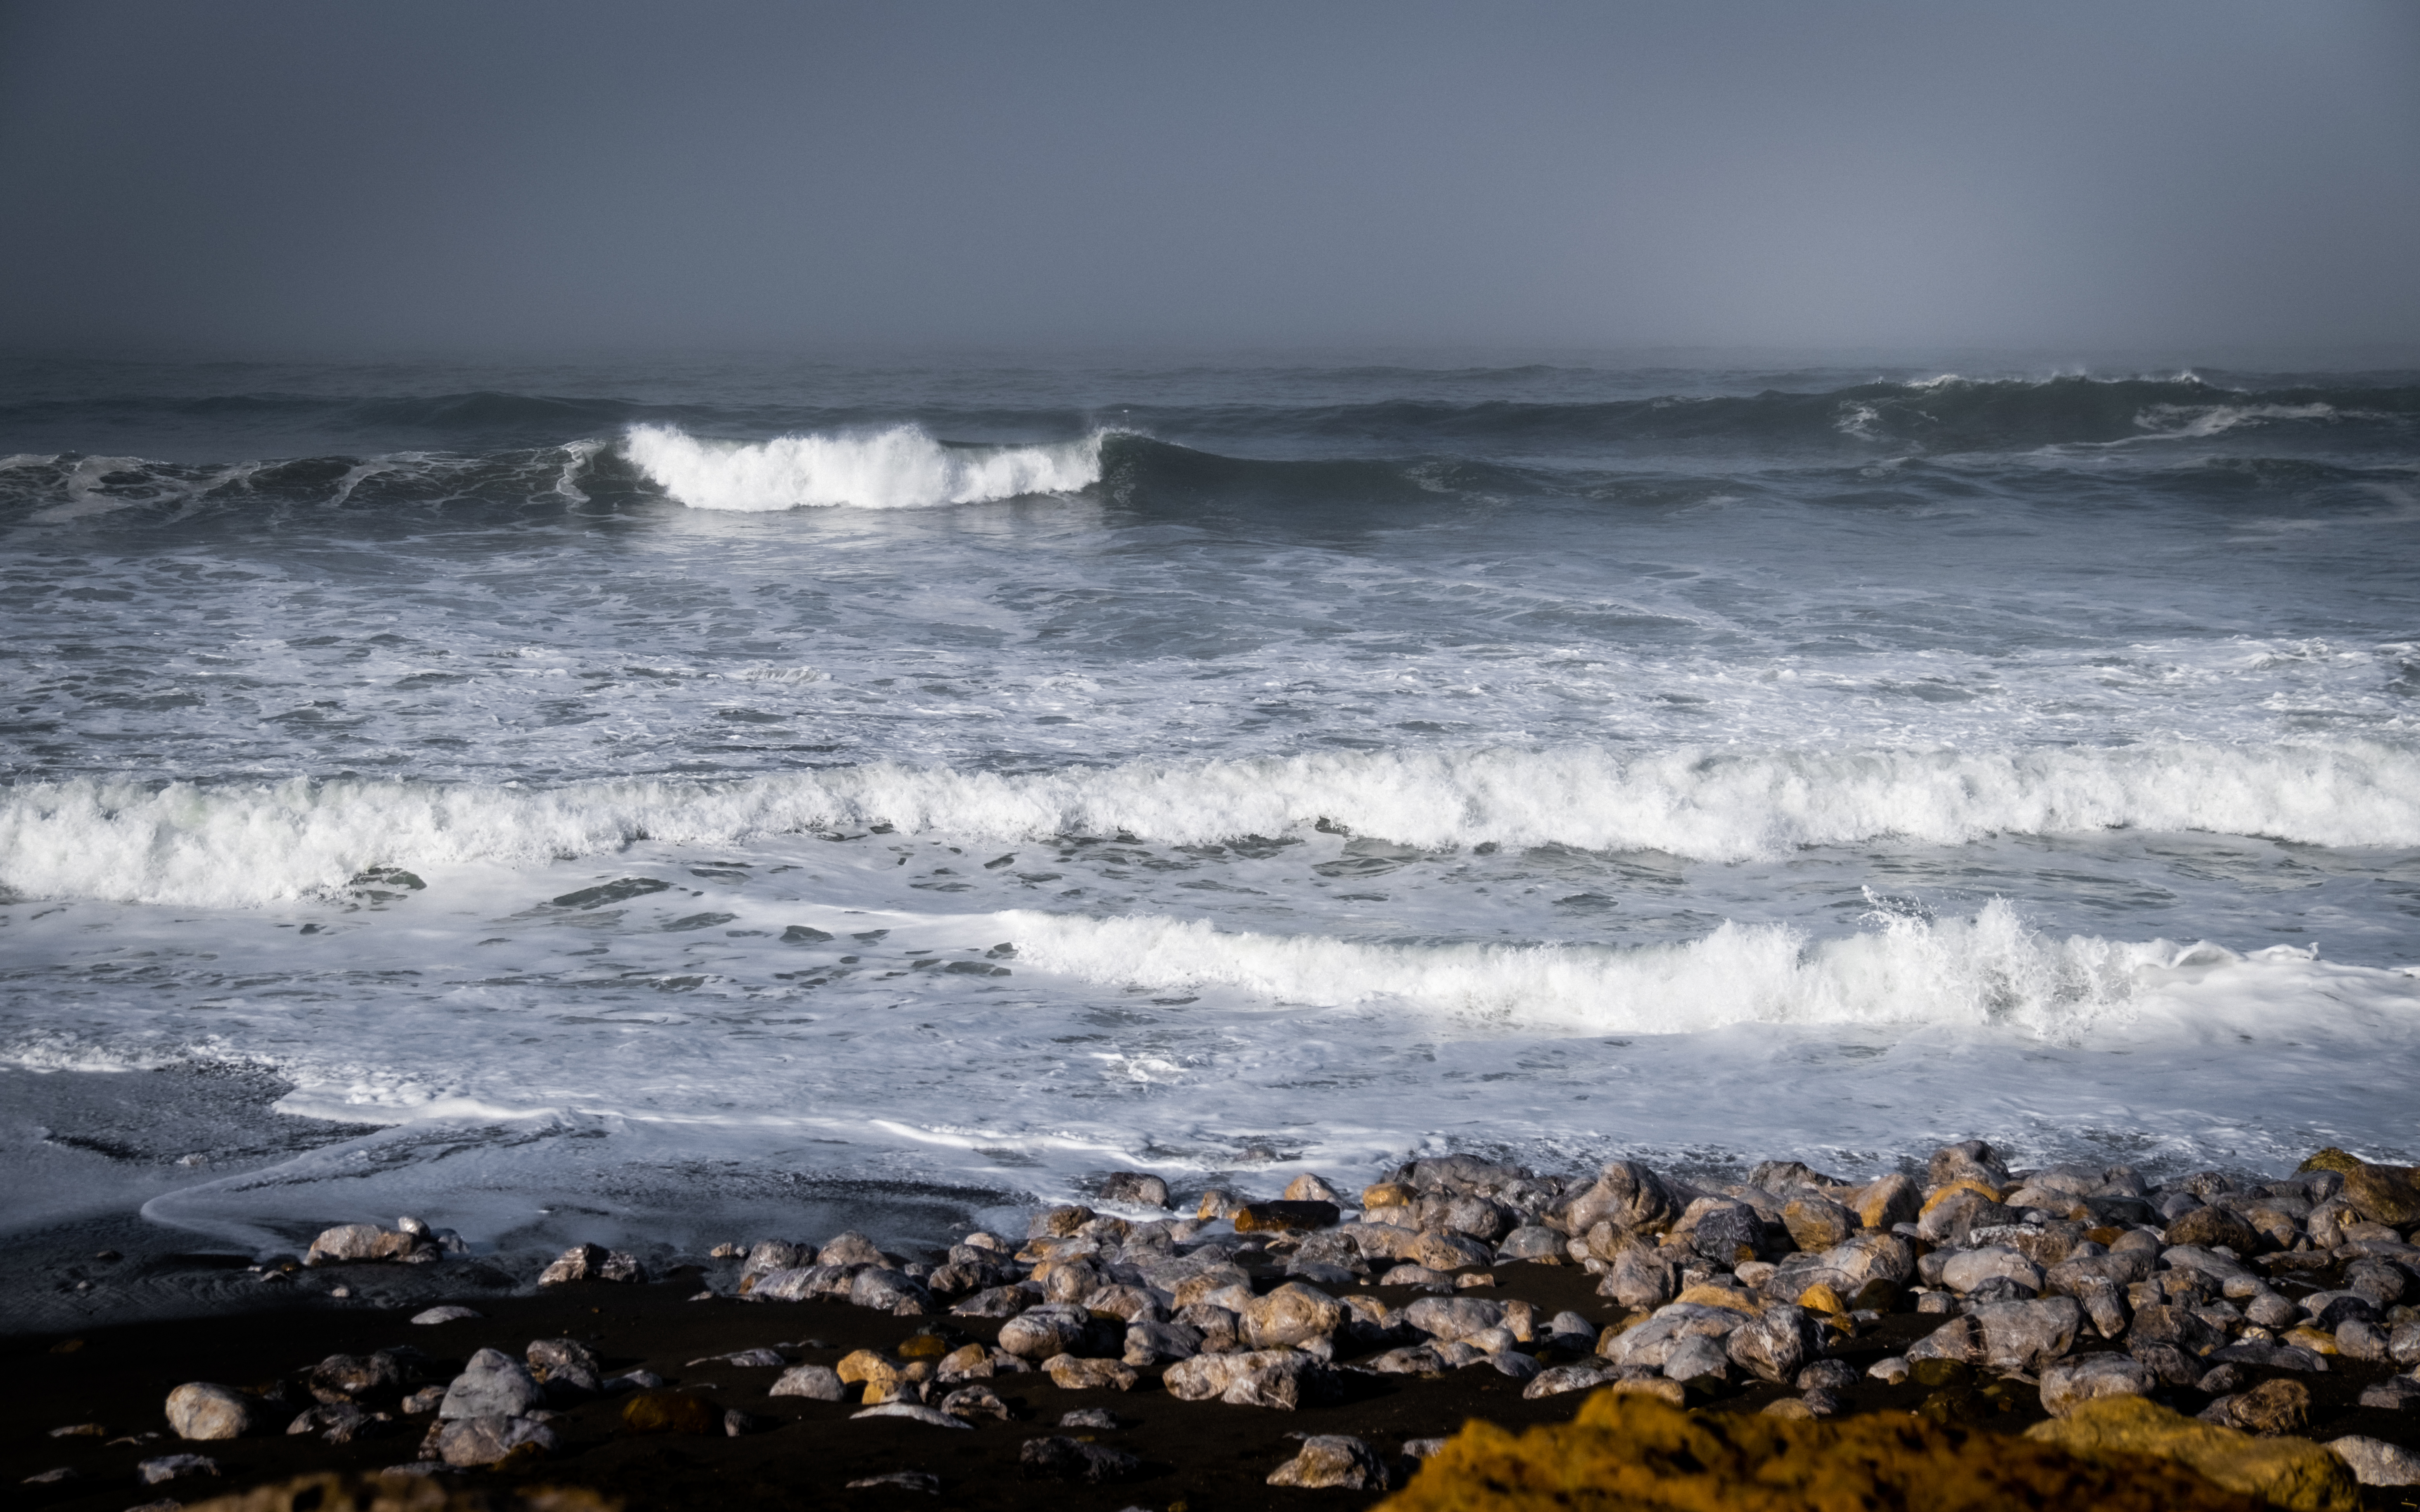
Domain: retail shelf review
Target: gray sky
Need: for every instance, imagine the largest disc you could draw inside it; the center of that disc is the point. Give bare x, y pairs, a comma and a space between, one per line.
349, 178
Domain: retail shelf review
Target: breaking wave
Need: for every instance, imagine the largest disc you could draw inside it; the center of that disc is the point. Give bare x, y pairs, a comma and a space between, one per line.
233, 844
901, 467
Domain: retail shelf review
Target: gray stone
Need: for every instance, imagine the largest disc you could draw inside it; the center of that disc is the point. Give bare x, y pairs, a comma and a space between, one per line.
447, 1314
1696, 1357
1827, 1374
1514, 1363
1149, 1343
355, 1243
1636, 1275
1969, 1269
2180, 1326
1533, 1244
492, 1384
1953, 1340
1776, 1345
1453, 1318
174, 1467
898, 1480
851, 1248
337, 1422
1280, 1378
976, 1401
2394, 1393
1051, 1329
1557, 1380
1134, 1188
2360, 1339
1333, 1461
465, 1443
2026, 1335
1626, 1193
1059, 1457
2068, 1384
2376, 1462
205, 1411
1294, 1314
891, 1291
998, 1302
569, 1365
2274, 1356
817, 1382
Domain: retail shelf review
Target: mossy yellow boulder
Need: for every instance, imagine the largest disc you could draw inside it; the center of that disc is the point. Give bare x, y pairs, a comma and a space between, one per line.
1626, 1453
2287, 1473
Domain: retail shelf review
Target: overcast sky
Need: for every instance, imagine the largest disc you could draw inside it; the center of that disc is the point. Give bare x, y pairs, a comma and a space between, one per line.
351, 178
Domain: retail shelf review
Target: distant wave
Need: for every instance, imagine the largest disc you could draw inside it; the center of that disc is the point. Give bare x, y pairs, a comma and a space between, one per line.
243, 844
900, 468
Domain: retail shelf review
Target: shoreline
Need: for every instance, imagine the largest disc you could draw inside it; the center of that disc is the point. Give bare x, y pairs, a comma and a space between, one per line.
801, 1452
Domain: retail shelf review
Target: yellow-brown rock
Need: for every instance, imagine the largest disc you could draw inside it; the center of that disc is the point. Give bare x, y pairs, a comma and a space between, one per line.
1949, 1189
1388, 1195
1819, 1298
670, 1411
1888, 1200
2380, 1194
326, 1492
1627, 1452
2294, 1473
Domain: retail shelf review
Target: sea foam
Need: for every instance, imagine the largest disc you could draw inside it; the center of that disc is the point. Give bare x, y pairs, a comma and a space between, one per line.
900, 468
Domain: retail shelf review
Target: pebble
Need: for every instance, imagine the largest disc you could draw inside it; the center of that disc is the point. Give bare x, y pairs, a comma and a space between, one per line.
450, 1313
1333, 1462
2376, 1462
205, 1411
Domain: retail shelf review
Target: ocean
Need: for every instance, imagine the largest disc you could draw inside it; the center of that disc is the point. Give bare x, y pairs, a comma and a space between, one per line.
671, 801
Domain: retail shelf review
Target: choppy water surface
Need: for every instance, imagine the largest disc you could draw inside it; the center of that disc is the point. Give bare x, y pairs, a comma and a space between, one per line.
619, 793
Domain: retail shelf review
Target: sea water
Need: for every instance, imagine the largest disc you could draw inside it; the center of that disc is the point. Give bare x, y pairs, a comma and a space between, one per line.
630, 800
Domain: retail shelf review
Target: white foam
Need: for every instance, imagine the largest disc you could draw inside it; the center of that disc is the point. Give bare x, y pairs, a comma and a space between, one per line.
901, 467
248, 844
1990, 969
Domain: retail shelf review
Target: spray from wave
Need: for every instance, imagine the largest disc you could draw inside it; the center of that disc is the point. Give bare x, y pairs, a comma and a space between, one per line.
901, 467
239, 845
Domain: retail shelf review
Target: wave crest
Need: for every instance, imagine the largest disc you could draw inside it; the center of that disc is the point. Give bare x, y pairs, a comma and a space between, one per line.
240, 846
901, 467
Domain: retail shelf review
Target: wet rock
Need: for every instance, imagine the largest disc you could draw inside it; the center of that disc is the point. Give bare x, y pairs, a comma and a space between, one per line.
1817, 1223
1728, 1234
891, 1291
1290, 1313
355, 1243
1070, 1373
2027, 1336
1137, 1188
2068, 1384
355, 1378
1058, 1458
1626, 1193
1280, 1378
1051, 1329
204, 1411
1774, 1346
851, 1248
466, 1442
592, 1263
1557, 1380
1447, 1252
339, 1423
899, 1480
974, 1401
1638, 1276
2270, 1356
2359, 1339
1157, 1343
174, 1467
1969, 1161
492, 1384
815, 1383
2180, 1326
1954, 1340
1890, 1369
1533, 1244
447, 1314
2380, 1194
997, 1301
1279, 1218
772, 1255
1968, 1270
1413, 1360
566, 1367
2271, 1408
1453, 1318
913, 1412
1099, 1418
1888, 1201
1310, 1188
1333, 1461
424, 1401
2376, 1462
2167, 1363
2403, 1344
2213, 1229
1057, 1223
1698, 1357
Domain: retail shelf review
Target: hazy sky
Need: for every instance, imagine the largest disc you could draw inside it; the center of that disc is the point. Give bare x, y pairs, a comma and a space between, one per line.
356, 177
